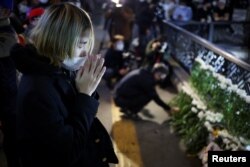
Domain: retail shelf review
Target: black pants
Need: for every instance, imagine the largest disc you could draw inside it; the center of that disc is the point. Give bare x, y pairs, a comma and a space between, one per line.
134, 104
8, 92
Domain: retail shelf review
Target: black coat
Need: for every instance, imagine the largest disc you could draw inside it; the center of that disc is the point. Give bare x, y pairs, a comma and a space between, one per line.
114, 59
56, 125
137, 88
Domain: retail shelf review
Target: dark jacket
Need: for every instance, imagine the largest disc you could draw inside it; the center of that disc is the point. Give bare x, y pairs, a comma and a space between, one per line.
139, 86
114, 59
121, 22
7, 37
8, 92
56, 125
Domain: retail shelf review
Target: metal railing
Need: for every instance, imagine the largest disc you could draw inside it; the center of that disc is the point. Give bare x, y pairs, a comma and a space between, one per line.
186, 46
209, 30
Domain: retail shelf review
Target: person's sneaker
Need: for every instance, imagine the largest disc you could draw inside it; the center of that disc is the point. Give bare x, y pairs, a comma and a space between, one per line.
129, 114
135, 116
125, 111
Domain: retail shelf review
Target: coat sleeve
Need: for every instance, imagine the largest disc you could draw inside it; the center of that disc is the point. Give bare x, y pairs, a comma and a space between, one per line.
150, 91
159, 101
65, 137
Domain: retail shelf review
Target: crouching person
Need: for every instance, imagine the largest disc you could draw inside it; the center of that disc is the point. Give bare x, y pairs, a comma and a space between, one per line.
137, 89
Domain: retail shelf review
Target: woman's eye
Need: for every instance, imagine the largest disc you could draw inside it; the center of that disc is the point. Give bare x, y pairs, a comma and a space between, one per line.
82, 44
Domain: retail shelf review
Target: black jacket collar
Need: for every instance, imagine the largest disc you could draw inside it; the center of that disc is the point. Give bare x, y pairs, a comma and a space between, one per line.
28, 61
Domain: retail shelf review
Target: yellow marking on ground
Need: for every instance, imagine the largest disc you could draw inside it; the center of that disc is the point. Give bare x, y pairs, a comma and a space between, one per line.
125, 140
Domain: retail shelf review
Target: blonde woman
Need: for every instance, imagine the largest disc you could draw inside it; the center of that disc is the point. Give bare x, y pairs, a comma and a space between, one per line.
56, 113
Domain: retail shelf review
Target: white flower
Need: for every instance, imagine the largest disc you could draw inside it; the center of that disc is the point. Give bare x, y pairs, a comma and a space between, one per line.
227, 147
234, 146
206, 123
229, 82
241, 92
194, 110
226, 141
242, 140
208, 126
201, 115
223, 86
243, 95
214, 74
221, 78
199, 105
248, 147
210, 118
247, 98
229, 89
203, 107
204, 66
199, 60
224, 133
194, 102
210, 68
234, 88
218, 117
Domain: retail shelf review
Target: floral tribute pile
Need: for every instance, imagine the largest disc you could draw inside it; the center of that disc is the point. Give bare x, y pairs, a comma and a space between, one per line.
214, 113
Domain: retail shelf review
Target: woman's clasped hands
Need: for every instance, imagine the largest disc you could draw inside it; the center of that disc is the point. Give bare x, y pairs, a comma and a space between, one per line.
89, 76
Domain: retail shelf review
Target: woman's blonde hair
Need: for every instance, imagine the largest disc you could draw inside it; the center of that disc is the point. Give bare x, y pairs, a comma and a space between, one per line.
58, 30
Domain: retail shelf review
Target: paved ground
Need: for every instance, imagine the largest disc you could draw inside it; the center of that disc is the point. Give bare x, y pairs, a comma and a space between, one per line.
147, 142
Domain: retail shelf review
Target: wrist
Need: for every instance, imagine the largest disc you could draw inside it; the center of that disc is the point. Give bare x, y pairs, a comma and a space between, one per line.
85, 92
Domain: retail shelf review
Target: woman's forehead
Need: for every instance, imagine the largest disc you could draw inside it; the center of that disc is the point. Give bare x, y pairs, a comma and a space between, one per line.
83, 38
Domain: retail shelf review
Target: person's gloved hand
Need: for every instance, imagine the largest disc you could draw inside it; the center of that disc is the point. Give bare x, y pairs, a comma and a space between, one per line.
171, 110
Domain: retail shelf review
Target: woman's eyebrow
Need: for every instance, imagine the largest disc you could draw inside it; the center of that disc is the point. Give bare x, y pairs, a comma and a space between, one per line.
83, 41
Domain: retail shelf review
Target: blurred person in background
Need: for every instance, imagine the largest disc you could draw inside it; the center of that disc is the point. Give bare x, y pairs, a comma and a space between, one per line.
223, 32
22, 10
155, 50
32, 18
114, 61
40, 3
57, 100
182, 12
121, 21
145, 22
204, 11
8, 84
221, 11
137, 89
169, 8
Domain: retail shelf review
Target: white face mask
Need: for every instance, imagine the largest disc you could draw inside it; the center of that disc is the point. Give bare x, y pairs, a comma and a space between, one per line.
119, 46
74, 63
43, 1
